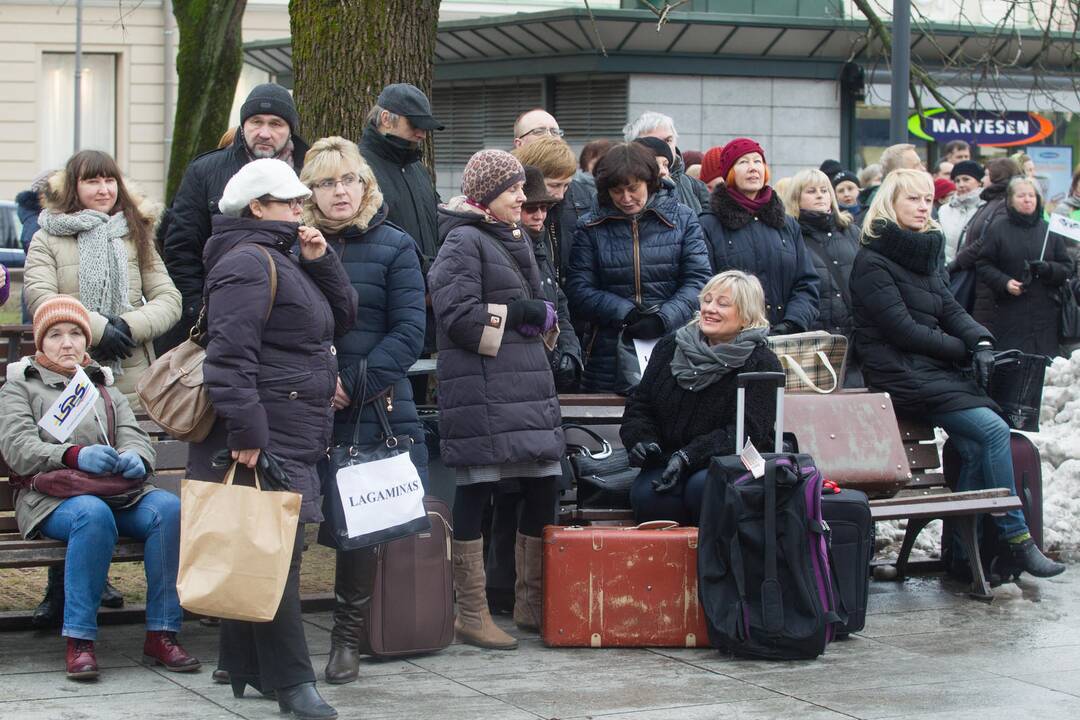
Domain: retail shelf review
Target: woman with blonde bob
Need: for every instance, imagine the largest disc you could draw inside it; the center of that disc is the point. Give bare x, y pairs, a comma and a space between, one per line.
919, 345
383, 265
683, 411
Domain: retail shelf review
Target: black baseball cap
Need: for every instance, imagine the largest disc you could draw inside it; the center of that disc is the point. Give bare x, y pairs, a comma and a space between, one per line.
409, 101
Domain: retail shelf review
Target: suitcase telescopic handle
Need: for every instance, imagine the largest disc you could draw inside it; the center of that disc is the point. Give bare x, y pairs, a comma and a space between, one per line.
772, 379
775, 379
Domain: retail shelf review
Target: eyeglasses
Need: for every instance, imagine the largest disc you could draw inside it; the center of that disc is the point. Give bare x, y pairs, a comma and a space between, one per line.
294, 203
346, 181
537, 132
535, 208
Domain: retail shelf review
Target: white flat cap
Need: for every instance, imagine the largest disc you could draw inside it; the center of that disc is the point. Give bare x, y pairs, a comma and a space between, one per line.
266, 176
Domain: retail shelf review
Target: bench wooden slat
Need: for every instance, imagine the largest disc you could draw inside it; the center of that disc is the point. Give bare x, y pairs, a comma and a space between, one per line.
42, 554
933, 495
946, 508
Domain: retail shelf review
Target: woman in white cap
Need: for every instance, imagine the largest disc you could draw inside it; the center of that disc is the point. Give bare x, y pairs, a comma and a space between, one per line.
271, 370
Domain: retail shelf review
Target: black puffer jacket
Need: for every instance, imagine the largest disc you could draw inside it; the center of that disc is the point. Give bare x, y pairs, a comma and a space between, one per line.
691, 192
1027, 322
833, 251
497, 401
968, 253
383, 265
195, 203
657, 258
768, 245
913, 338
271, 379
562, 221
567, 342
702, 423
407, 188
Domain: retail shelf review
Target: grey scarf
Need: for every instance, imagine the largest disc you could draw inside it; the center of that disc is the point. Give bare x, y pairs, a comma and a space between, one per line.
103, 258
697, 365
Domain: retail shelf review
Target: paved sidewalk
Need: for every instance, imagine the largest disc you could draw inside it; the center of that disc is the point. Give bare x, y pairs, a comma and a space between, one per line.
927, 652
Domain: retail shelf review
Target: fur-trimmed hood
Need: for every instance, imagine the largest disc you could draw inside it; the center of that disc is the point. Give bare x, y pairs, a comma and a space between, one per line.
27, 368
370, 202
734, 216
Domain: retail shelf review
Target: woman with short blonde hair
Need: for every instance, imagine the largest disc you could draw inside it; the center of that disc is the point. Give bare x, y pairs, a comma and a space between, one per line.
683, 411
383, 265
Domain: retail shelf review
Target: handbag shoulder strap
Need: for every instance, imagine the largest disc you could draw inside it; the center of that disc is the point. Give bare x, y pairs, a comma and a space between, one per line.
110, 414
200, 323
514, 264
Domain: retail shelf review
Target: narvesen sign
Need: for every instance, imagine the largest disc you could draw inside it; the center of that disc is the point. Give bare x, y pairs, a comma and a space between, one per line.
980, 127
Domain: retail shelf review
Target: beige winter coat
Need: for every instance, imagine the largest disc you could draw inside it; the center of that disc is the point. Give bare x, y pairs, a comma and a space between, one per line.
30, 390
52, 268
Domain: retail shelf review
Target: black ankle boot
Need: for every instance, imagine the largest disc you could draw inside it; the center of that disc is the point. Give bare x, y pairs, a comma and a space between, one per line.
239, 682
111, 597
1028, 557
51, 609
305, 702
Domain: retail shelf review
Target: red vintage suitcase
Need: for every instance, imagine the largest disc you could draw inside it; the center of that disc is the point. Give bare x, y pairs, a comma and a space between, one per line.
622, 587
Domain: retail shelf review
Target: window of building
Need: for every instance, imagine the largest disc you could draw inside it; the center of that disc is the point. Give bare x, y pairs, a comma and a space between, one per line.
479, 115
56, 106
592, 107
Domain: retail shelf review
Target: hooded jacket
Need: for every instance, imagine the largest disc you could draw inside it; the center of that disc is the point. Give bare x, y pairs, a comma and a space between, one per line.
770, 246
383, 265
1029, 321
271, 379
193, 207
656, 258
913, 338
497, 401
954, 216
52, 268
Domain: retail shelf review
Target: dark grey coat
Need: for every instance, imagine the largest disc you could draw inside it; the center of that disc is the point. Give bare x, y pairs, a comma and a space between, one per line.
271, 380
497, 401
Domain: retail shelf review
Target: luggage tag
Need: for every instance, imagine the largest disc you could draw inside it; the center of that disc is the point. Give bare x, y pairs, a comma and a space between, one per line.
752, 459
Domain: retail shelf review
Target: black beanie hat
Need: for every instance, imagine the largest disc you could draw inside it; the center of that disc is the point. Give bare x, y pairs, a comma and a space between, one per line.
969, 168
270, 99
843, 175
831, 167
658, 148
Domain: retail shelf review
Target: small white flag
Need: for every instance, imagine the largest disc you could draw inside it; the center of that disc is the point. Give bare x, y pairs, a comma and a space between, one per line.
1063, 225
74, 403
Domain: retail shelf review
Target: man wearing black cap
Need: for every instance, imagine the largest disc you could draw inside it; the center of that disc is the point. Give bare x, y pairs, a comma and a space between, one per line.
400, 120
268, 129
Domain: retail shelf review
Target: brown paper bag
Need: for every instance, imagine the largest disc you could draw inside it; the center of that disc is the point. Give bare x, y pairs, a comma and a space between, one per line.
236, 543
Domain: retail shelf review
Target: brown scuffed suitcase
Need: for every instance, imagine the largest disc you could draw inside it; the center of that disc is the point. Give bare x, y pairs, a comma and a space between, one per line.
412, 601
622, 587
847, 433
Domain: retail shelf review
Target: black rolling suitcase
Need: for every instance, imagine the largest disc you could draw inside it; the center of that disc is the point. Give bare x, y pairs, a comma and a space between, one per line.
851, 537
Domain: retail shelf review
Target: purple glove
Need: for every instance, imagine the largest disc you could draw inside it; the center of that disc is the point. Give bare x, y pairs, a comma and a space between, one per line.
550, 321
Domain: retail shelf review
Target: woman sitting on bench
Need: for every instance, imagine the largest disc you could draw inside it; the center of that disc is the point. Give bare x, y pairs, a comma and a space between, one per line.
683, 411
90, 524
919, 345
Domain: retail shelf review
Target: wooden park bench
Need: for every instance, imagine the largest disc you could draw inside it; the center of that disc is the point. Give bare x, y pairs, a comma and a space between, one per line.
16, 341
848, 443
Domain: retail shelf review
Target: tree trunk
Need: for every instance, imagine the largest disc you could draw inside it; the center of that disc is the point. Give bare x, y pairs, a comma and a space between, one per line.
346, 51
208, 62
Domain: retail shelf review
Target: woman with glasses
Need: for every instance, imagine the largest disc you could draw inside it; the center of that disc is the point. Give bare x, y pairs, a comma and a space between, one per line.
383, 265
271, 371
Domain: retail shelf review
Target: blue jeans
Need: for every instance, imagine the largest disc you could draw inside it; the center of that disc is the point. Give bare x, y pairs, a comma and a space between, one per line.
981, 438
90, 528
681, 503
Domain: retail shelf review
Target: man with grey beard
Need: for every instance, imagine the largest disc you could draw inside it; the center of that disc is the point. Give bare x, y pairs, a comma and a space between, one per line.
268, 129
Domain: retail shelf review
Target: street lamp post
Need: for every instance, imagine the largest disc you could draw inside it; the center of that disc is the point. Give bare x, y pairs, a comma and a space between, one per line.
901, 70
78, 73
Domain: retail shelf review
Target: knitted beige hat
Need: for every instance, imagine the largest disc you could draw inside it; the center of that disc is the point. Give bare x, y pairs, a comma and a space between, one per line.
58, 309
489, 173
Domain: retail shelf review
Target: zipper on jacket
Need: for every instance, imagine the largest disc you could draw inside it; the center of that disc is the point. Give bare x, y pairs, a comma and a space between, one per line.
637, 260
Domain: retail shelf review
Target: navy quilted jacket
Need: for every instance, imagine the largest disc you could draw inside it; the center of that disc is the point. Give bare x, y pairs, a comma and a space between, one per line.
655, 258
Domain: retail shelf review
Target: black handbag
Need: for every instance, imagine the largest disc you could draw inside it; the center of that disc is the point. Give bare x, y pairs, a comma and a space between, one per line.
1016, 385
1069, 326
628, 370
603, 477
962, 287
333, 531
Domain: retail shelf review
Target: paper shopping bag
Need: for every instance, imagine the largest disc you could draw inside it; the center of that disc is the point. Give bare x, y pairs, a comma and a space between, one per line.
236, 544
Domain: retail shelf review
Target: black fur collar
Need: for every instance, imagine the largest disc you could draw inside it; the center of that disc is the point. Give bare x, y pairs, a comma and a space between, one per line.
734, 216
919, 252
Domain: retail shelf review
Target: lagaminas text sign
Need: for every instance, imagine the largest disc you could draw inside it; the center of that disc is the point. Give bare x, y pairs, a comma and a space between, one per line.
980, 127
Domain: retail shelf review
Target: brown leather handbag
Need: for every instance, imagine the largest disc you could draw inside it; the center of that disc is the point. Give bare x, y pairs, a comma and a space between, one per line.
69, 482
172, 390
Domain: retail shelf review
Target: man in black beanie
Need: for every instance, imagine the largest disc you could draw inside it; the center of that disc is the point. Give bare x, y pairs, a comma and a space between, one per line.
268, 129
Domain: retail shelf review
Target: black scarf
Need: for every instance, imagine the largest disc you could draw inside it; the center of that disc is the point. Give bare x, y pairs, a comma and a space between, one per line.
1025, 220
919, 252
814, 220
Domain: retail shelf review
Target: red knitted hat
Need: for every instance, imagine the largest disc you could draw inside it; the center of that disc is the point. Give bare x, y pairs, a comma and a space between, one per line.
710, 164
735, 150
58, 309
942, 188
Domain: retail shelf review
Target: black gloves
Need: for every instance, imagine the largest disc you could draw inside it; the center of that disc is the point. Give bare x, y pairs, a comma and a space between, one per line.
526, 312
1043, 271
274, 476
784, 327
643, 326
115, 342
567, 372
673, 473
644, 453
982, 365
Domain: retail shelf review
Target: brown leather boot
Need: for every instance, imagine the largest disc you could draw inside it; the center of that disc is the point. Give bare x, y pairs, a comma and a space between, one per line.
528, 590
161, 648
354, 576
80, 660
473, 624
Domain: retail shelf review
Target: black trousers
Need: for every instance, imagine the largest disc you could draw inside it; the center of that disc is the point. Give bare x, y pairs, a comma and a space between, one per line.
273, 654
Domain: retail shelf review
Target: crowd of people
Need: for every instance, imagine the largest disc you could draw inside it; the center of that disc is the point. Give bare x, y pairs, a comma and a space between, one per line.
316, 276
